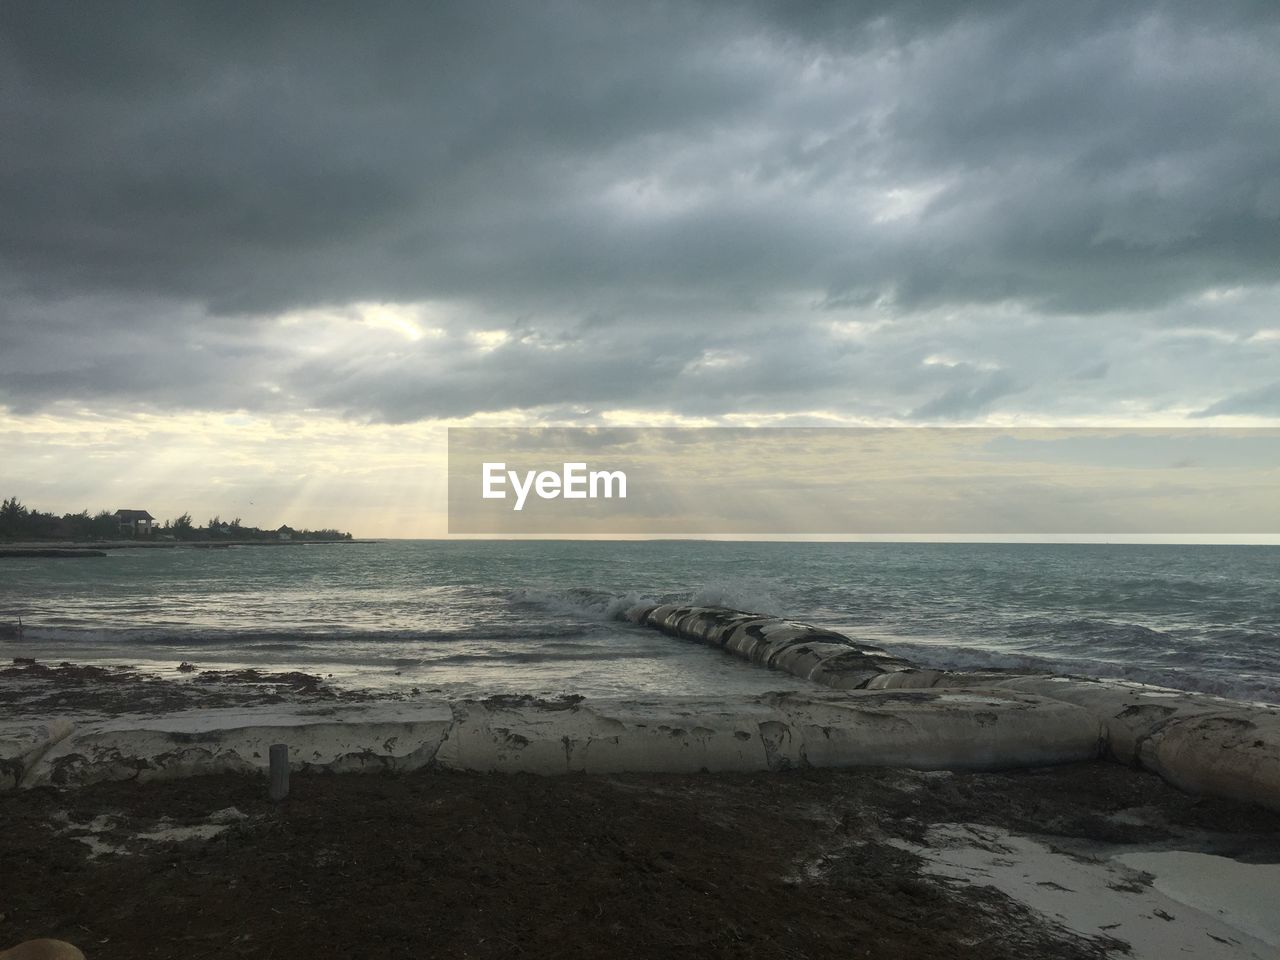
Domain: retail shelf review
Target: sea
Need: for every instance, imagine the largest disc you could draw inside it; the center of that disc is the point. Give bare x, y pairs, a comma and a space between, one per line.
465, 618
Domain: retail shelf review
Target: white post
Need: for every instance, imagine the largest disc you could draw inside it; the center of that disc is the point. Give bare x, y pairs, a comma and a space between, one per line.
279, 788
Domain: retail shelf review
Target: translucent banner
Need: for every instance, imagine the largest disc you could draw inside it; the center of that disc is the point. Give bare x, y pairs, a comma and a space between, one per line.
833, 481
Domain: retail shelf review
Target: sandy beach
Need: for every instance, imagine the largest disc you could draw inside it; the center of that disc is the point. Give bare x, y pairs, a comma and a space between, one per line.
1067, 861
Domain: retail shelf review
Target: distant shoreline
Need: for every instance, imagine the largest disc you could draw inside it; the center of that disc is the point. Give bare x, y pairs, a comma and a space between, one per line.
97, 548
5, 552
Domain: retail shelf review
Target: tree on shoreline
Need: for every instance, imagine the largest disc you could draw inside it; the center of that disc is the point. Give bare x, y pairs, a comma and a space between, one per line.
182, 528
13, 516
20, 522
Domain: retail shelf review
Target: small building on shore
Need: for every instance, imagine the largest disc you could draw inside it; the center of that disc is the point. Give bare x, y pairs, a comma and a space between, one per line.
285, 532
134, 522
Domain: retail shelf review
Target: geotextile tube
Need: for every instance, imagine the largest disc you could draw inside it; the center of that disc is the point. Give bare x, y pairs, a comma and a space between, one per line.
923, 729
880, 710
810, 653
1199, 743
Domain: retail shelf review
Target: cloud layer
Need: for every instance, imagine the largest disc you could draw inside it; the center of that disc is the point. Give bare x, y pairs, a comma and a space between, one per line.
908, 211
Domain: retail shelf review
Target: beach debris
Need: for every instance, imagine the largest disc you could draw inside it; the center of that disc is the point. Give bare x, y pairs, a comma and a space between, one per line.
64, 672
118, 835
294, 681
187, 666
227, 816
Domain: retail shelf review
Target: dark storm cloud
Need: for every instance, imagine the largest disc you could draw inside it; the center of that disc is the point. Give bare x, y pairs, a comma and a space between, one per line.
665, 205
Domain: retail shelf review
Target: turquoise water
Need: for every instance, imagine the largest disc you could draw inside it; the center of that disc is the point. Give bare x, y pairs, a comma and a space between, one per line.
467, 617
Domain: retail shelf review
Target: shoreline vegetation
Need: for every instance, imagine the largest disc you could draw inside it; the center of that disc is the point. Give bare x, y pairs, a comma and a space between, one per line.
26, 531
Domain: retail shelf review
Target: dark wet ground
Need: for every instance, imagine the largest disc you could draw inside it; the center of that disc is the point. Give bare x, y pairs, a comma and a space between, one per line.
437, 864
31, 688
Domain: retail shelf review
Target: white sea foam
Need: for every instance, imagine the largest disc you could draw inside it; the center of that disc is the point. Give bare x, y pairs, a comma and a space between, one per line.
752, 595
594, 604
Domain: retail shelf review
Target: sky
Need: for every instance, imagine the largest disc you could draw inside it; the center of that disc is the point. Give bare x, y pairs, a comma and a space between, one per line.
255, 259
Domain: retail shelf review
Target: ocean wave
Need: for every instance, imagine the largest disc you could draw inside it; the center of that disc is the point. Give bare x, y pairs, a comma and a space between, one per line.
746, 594
751, 595
300, 639
592, 604
1090, 631
1235, 684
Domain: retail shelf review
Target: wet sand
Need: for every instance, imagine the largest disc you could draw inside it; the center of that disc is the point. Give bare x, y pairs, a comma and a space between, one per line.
36, 688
